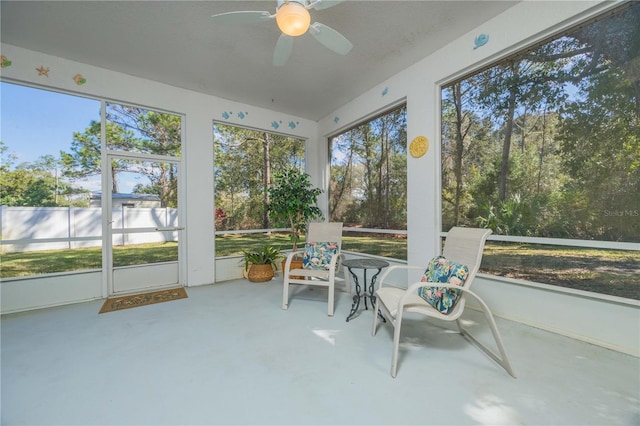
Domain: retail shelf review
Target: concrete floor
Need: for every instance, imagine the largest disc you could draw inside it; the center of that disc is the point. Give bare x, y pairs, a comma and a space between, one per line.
229, 355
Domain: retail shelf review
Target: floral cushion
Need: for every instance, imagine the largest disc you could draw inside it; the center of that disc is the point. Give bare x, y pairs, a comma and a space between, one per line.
441, 270
317, 255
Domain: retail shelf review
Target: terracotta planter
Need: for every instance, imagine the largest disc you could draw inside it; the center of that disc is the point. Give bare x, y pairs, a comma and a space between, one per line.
260, 273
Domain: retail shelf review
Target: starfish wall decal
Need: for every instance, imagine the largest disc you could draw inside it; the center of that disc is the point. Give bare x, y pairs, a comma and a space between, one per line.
43, 71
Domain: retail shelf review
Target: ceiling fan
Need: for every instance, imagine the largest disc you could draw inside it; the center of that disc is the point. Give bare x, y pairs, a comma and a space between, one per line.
293, 19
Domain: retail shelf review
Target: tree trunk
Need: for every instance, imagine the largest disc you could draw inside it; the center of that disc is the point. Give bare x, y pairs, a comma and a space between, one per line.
114, 179
542, 151
343, 186
368, 180
387, 179
457, 166
508, 133
266, 143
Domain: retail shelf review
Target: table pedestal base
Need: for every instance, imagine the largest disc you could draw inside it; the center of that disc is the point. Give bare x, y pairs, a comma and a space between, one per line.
364, 264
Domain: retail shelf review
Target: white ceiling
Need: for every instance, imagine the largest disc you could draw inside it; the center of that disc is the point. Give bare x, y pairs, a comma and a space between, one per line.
175, 42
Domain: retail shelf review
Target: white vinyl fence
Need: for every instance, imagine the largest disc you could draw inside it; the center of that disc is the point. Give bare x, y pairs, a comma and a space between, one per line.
50, 228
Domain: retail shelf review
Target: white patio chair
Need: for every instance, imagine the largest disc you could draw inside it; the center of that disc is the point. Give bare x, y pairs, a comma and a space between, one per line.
463, 246
321, 263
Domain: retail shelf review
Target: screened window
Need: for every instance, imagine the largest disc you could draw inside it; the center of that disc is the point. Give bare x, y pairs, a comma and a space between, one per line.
245, 161
368, 188
546, 144
48, 224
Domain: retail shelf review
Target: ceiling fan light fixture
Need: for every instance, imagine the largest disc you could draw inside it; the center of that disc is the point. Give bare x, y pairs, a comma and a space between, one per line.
293, 19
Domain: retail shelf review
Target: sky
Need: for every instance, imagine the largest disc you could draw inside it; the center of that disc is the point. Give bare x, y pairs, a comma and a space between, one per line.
35, 122
38, 122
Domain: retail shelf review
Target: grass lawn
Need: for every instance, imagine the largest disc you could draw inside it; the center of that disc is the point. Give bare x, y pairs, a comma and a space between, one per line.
231, 244
614, 272
51, 261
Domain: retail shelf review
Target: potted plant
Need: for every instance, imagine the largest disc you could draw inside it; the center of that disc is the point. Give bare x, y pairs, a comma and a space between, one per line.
260, 265
293, 201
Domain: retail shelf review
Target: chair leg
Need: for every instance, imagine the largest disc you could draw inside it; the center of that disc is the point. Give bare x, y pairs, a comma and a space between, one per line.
396, 343
285, 293
331, 298
374, 329
502, 359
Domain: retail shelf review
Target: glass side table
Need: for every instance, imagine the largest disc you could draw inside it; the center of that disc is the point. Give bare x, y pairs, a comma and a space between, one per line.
361, 292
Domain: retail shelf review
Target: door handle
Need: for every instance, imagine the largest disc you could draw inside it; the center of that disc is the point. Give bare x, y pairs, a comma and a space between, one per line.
181, 228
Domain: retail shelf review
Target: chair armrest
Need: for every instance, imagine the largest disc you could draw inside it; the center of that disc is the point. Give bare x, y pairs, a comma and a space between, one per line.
336, 260
340, 258
290, 256
413, 288
393, 268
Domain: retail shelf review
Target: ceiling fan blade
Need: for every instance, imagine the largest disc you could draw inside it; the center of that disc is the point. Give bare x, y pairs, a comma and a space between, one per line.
330, 38
242, 17
325, 4
283, 50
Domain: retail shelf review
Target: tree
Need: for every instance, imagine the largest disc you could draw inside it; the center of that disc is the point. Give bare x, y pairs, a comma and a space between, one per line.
562, 125
244, 163
346, 177
600, 143
294, 201
36, 184
153, 133
130, 129
615, 40
462, 145
368, 173
84, 160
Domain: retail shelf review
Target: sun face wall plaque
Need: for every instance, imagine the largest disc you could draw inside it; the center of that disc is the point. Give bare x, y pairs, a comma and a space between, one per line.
419, 146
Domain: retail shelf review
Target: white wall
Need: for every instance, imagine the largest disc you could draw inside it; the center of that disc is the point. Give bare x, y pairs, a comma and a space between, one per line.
52, 290
199, 111
609, 322
602, 320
